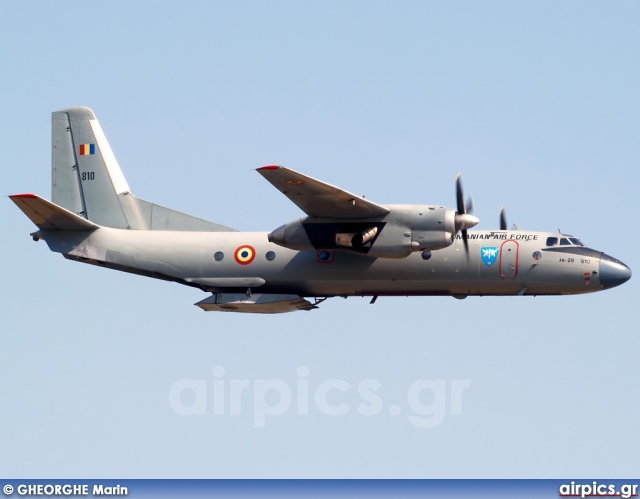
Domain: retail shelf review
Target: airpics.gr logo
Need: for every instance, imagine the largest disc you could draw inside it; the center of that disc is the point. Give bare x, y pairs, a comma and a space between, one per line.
489, 255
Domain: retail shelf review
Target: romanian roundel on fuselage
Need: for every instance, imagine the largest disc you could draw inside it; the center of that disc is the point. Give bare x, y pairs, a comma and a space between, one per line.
244, 255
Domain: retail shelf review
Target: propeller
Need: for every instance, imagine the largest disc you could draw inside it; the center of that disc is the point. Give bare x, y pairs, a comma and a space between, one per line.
464, 220
503, 219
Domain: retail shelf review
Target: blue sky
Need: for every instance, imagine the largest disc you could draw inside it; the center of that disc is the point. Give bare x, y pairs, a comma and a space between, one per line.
536, 103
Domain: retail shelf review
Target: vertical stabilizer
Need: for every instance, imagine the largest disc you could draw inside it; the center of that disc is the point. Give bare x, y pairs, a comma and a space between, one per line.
86, 176
87, 180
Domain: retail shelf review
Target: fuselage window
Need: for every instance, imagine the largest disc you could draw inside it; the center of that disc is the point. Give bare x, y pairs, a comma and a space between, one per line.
270, 256
552, 241
564, 242
219, 255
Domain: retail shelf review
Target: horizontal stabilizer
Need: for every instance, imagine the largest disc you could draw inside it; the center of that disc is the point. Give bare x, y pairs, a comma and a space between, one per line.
254, 303
49, 216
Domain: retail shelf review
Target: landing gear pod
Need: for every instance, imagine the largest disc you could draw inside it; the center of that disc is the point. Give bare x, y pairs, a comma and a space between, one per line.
258, 303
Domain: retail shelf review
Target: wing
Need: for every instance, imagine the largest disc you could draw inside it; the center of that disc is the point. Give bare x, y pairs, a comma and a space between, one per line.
318, 199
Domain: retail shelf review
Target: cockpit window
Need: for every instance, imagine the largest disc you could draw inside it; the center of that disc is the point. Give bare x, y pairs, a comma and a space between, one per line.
552, 241
564, 242
576, 241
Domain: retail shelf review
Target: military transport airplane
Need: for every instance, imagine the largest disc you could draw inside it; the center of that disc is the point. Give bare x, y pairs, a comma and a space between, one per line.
345, 245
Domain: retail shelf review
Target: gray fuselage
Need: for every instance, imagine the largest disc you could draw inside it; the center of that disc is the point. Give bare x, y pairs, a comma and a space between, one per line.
499, 263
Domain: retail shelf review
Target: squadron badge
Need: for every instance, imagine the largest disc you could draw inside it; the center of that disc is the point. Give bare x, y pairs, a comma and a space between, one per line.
489, 255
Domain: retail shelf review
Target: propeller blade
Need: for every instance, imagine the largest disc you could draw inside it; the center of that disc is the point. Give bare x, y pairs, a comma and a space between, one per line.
465, 240
470, 205
459, 196
503, 219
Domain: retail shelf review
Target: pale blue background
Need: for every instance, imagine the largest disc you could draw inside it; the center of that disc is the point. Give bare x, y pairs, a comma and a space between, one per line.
537, 104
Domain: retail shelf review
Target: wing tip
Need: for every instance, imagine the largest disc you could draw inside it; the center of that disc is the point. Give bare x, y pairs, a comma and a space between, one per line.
269, 167
23, 196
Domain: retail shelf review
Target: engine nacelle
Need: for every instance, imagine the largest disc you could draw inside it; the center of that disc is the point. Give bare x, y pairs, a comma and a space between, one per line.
407, 228
432, 227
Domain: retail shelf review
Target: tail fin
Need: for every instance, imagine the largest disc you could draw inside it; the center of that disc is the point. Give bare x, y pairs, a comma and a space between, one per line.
86, 176
87, 180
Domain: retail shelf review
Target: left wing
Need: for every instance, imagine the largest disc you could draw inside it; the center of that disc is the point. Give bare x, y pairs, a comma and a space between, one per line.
318, 199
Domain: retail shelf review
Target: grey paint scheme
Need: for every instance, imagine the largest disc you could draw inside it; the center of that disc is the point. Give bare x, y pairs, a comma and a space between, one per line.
185, 254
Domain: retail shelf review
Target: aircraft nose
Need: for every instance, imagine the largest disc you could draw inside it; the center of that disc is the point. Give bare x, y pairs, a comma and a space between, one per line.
613, 272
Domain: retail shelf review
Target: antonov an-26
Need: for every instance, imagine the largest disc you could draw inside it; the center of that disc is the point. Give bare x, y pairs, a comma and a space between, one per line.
346, 245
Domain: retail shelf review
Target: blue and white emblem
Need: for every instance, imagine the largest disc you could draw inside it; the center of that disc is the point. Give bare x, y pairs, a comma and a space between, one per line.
489, 255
